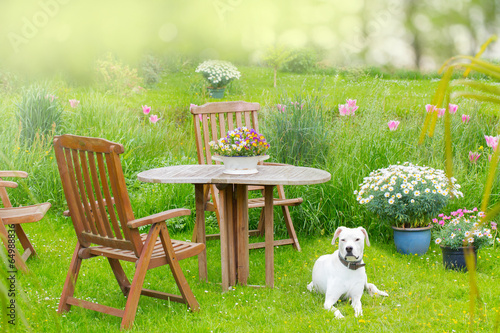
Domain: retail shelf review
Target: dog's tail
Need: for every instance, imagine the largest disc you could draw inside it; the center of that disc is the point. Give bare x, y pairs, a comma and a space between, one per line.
373, 290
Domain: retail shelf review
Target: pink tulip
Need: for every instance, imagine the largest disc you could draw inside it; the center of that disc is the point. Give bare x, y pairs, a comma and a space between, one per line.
349, 108
74, 103
492, 141
473, 156
153, 119
343, 109
430, 108
465, 118
281, 107
146, 109
440, 112
452, 108
393, 125
51, 97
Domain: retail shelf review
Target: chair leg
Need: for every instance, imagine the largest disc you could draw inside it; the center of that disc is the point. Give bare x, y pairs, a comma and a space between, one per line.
290, 228
179, 277
140, 273
261, 227
120, 276
71, 278
25, 242
288, 220
18, 260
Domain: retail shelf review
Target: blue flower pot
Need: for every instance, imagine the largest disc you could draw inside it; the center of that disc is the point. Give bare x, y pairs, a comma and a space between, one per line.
216, 92
455, 259
412, 240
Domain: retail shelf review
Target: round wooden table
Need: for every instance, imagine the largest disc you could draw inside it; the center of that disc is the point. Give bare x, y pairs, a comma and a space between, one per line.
234, 209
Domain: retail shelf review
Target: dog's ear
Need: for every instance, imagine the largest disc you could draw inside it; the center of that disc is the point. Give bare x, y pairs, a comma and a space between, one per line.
366, 235
337, 233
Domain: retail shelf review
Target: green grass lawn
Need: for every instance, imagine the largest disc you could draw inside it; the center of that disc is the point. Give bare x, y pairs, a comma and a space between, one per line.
424, 297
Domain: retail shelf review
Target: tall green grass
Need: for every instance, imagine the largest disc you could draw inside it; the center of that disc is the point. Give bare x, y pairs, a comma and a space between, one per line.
348, 147
38, 113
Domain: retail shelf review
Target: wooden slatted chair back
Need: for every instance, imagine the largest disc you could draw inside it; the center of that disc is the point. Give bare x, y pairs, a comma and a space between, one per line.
213, 120
95, 190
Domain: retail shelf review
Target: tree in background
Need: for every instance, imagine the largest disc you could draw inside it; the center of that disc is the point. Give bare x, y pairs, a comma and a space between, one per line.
276, 56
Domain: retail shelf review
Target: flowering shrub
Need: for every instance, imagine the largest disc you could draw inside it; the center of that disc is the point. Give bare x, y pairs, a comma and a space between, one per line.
218, 73
407, 195
116, 76
240, 142
462, 228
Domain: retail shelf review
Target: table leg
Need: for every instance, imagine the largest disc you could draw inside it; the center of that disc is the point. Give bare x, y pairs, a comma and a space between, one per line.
231, 235
269, 238
200, 230
242, 233
224, 253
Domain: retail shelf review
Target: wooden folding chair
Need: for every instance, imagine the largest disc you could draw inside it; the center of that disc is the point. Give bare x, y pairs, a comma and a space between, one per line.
101, 212
211, 122
15, 216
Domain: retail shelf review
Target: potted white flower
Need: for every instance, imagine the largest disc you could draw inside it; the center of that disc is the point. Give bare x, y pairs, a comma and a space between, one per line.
218, 74
240, 150
462, 231
407, 197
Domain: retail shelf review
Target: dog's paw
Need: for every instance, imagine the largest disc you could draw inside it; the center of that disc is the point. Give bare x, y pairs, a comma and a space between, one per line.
382, 293
310, 287
358, 312
338, 315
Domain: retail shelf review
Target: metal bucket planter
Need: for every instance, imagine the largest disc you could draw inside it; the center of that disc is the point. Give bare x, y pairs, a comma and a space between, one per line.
455, 258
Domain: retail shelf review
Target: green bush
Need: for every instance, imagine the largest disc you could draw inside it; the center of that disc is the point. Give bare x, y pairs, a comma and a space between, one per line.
151, 69
38, 114
301, 61
116, 77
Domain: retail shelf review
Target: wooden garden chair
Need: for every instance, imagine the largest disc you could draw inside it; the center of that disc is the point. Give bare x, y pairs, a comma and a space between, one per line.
211, 122
15, 216
102, 216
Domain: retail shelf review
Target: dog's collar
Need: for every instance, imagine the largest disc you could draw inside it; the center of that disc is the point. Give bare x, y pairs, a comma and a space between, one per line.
353, 265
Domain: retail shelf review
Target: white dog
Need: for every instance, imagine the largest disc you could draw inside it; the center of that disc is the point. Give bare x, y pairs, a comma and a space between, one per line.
343, 273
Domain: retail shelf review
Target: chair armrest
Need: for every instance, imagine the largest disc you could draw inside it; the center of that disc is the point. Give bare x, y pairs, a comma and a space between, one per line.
159, 217
20, 174
5, 183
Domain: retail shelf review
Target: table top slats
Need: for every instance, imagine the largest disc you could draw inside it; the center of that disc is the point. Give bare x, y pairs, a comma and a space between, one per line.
213, 174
